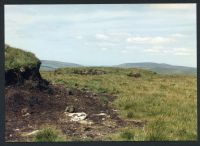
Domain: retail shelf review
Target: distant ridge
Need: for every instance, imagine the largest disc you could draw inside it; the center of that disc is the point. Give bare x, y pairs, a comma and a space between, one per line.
162, 68
52, 65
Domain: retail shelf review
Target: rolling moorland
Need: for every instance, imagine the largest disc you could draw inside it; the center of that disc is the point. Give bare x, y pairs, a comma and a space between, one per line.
122, 104
161, 68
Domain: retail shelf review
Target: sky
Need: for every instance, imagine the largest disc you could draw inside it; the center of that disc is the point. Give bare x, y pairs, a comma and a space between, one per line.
105, 34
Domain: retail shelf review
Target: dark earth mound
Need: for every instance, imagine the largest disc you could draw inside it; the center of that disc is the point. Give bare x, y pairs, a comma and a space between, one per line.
19, 75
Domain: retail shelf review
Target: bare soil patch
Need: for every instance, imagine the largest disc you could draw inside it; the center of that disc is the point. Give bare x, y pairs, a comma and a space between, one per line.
33, 104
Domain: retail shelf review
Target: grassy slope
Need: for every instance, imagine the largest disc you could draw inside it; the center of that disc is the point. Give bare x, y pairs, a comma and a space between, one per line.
15, 58
167, 102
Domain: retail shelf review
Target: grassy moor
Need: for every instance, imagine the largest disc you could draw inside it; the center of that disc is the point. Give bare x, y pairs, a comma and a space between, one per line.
166, 103
101, 72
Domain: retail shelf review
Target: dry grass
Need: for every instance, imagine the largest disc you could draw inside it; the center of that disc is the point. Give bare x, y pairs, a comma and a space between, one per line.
167, 102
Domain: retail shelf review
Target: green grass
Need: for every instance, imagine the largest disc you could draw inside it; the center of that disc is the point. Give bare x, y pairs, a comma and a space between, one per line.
49, 135
16, 58
167, 102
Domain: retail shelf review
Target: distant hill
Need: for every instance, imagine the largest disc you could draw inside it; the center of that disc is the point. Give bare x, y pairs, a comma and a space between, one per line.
157, 67
161, 68
52, 65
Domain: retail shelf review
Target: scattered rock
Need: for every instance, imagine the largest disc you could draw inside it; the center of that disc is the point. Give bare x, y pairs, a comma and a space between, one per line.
30, 133
69, 109
16, 129
26, 115
85, 122
22, 69
101, 114
77, 116
24, 111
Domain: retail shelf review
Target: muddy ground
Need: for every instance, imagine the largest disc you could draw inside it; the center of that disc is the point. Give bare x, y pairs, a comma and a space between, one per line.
33, 104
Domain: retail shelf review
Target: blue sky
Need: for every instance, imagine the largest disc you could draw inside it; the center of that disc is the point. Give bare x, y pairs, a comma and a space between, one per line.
105, 34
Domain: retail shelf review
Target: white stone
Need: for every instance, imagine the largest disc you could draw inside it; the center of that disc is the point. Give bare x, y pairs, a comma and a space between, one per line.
27, 114
77, 116
31, 133
101, 114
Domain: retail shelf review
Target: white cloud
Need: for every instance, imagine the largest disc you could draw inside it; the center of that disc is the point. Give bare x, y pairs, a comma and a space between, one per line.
172, 6
183, 51
102, 36
172, 51
154, 50
178, 35
119, 34
124, 51
79, 37
149, 40
104, 49
86, 43
106, 44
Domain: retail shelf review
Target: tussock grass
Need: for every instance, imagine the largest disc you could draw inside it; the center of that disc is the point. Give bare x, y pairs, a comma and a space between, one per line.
167, 102
49, 134
16, 58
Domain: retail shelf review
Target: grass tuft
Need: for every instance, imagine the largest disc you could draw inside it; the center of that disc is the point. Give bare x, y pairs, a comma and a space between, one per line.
127, 135
48, 135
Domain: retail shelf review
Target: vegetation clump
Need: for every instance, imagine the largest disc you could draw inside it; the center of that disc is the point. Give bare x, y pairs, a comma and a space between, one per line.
48, 135
89, 71
136, 75
17, 58
127, 135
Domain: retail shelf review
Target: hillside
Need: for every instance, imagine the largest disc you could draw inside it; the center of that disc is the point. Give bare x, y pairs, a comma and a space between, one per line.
52, 65
161, 68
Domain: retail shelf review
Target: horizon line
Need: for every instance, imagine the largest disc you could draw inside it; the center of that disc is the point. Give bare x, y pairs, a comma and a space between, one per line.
119, 64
